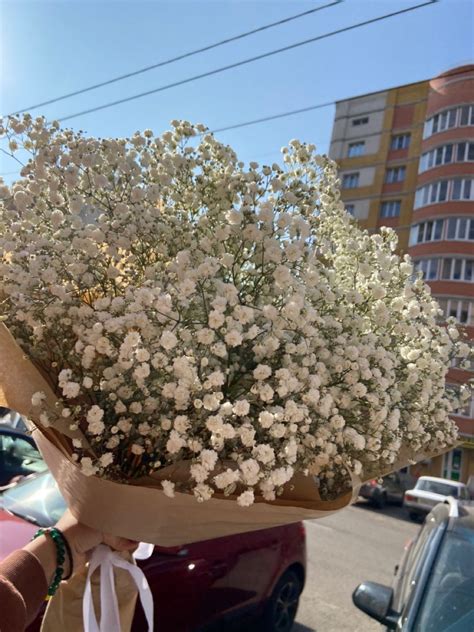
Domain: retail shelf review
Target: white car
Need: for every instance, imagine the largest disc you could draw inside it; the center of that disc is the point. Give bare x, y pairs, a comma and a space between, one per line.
429, 491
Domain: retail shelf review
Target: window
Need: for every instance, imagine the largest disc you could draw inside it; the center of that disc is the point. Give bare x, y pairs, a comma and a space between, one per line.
390, 208
454, 117
395, 174
48, 511
356, 149
402, 141
460, 309
464, 115
350, 180
426, 231
428, 267
360, 121
466, 410
469, 151
444, 120
440, 156
459, 189
435, 487
350, 208
456, 269
451, 229
18, 457
464, 152
460, 228
415, 560
462, 363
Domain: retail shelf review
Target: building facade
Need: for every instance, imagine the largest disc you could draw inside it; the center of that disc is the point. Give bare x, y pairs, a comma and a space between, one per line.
406, 160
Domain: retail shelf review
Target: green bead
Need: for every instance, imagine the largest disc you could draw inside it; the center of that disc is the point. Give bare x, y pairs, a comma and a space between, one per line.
58, 540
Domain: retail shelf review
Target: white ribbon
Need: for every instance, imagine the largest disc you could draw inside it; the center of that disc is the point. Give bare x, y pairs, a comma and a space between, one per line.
104, 558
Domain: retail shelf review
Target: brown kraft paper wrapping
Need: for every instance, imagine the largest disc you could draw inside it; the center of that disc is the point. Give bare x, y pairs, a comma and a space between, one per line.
20, 379
146, 514
64, 611
142, 511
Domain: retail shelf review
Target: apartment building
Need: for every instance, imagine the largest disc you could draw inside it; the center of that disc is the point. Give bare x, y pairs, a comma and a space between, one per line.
406, 160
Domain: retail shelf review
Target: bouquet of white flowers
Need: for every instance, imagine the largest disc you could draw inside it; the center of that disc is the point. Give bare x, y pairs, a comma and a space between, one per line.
206, 348
185, 309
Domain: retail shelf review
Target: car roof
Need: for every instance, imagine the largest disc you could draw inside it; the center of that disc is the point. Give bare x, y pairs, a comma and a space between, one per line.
437, 479
462, 518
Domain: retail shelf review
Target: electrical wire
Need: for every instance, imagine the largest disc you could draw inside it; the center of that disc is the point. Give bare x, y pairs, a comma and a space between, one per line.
245, 61
318, 106
166, 62
271, 117
308, 109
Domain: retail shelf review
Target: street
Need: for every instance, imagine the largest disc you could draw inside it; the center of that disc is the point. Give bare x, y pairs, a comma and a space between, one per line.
360, 543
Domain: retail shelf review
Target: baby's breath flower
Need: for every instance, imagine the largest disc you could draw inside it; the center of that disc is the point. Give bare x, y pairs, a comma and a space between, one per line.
246, 498
186, 307
168, 488
38, 398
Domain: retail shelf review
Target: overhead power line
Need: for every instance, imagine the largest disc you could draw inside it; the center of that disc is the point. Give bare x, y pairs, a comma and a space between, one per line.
309, 108
245, 61
272, 117
166, 62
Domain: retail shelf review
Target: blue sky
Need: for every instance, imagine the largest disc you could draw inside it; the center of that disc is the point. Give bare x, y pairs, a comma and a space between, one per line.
50, 48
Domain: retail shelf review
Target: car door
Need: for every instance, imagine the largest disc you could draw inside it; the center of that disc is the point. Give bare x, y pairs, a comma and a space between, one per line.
412, 574
180, 580
242, 567
392, 485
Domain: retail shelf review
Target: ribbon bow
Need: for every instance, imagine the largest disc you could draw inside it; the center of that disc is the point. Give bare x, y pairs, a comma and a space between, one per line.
104, 558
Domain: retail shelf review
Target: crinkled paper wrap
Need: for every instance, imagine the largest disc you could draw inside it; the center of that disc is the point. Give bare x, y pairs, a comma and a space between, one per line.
20, 379
64, 611
146, 514
141, 511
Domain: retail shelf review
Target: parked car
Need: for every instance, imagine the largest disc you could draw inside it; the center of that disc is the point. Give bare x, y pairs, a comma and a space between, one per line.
389, 489
429, 491
433, 588
12, 419
210, 585
19, 456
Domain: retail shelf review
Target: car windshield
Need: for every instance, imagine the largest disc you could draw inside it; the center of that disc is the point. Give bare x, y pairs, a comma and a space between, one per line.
36, 499
444, 489
448, 598
18, 457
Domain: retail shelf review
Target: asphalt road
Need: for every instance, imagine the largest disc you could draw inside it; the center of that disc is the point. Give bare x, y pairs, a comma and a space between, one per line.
359, 543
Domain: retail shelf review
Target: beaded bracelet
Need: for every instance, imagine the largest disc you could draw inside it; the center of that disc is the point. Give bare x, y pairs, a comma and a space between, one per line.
62, 547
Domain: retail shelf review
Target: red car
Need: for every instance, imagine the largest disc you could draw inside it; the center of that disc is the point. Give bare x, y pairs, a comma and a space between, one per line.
255, 577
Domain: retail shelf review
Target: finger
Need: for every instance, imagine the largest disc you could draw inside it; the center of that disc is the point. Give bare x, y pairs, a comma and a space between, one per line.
120, 544
127, 545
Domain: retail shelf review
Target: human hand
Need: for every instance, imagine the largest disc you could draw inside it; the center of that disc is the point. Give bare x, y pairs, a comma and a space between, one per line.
82, 540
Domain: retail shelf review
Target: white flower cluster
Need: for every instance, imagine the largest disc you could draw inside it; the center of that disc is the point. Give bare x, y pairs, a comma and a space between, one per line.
187, 308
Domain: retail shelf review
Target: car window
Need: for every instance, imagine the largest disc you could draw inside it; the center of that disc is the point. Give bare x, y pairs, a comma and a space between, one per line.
19, 456
414, 562
36, 499
445, 489
449, 595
